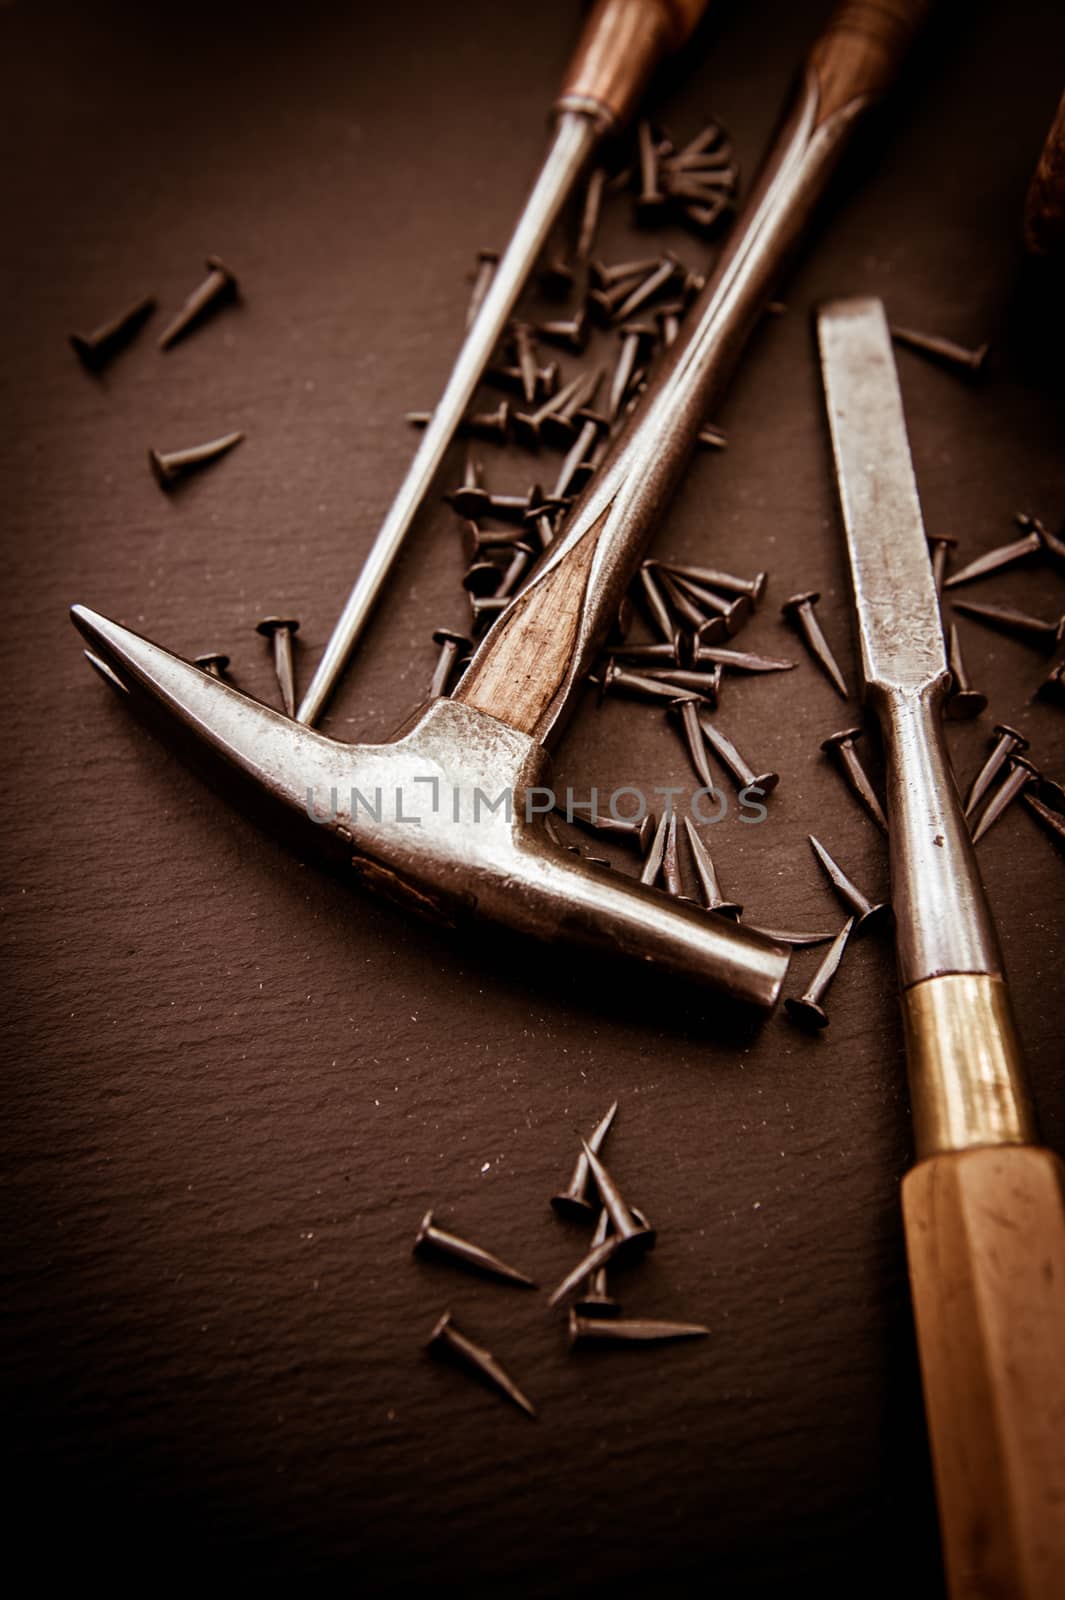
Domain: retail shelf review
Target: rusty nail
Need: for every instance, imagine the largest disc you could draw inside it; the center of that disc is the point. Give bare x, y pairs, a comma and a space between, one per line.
1007, 742
867, 914
800, 610
439, 1241
281, 631
171, 465
709, 882
445, 1337
807, 1009
841, 746
742, 772
220, 284
95, 349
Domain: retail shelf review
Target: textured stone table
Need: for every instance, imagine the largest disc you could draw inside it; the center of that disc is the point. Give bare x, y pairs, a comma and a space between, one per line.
232, 1084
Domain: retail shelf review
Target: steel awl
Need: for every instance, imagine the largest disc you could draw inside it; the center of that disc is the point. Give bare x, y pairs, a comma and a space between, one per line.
622, 42
983, 1208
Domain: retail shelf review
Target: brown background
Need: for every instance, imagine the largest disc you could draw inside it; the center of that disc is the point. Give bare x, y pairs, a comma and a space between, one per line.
232, 1084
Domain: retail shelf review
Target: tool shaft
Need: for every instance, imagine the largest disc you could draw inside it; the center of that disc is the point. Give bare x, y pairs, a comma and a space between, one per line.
533, 659
964, 1063
575, 136
622, 42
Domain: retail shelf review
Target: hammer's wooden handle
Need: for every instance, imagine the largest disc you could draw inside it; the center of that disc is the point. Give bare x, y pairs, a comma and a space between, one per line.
524, 667
622, 43
859, 53
985, 1236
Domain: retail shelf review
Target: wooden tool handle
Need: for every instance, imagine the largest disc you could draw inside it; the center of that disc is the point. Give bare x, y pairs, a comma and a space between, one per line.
859, 54
528, 663
1044, 209
622, 43
985, 1236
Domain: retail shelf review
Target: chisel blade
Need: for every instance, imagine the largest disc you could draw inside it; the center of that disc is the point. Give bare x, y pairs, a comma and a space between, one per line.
899, 625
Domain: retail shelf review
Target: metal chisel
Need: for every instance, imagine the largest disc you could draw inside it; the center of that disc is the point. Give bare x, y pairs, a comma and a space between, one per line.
984, 1207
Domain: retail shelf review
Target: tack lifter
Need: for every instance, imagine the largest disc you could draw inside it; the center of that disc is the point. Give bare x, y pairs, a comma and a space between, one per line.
984, 1209
622, 43
493, 734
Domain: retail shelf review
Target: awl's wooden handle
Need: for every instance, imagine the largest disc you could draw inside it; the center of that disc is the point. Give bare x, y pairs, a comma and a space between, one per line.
859, 53
622, 43
985, 1235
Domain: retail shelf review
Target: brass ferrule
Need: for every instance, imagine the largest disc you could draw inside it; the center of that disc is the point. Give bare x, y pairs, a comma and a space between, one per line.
966, 1082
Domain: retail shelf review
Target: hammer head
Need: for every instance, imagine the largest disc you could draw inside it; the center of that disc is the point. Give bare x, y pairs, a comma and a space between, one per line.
446, 818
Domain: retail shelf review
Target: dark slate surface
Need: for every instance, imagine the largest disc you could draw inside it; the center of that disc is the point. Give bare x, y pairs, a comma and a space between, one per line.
232, 1085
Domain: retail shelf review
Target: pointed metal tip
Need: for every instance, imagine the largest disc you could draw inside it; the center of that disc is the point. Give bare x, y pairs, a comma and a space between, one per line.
1052, 820
597, 1257
122, 649
92, 626
446, 1339
603, 1126
837, 679
989, 817
110, 677
520, 1399
653, 862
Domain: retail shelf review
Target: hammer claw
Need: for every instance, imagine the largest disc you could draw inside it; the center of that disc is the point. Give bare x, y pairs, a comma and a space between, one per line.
445, 817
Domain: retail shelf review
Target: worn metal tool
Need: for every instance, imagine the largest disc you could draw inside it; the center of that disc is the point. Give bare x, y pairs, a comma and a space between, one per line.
446, 819
489, 739
622, 42
983, 1208
432, 1239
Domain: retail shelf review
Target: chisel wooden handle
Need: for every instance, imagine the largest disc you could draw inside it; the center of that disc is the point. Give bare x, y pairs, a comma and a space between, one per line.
622, 43
985, 1236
